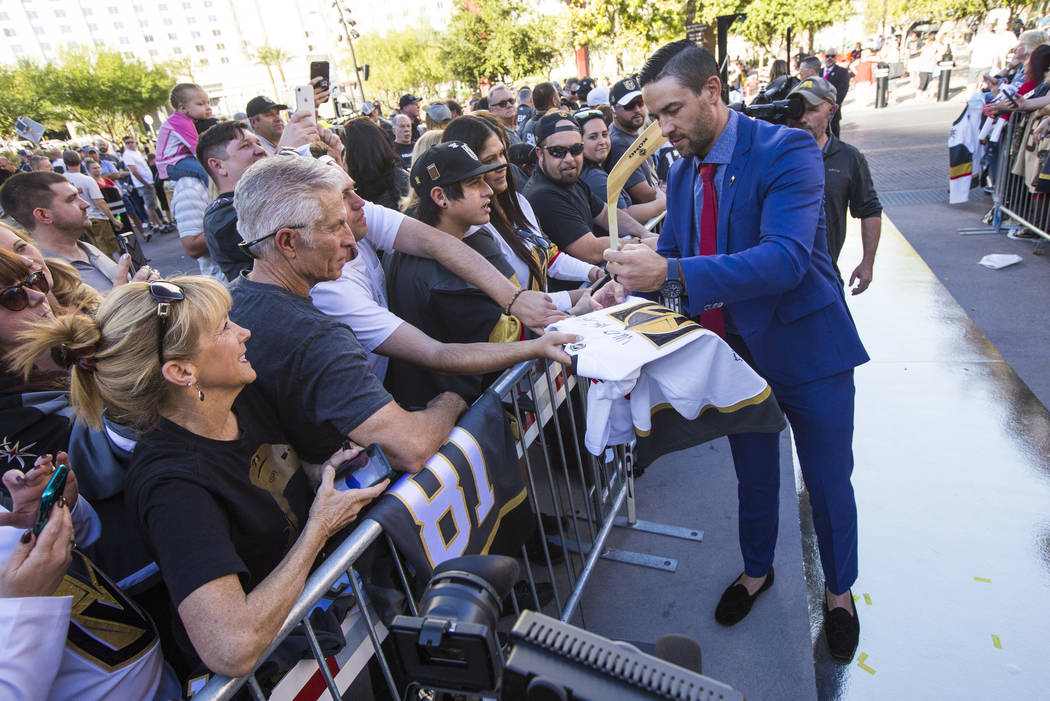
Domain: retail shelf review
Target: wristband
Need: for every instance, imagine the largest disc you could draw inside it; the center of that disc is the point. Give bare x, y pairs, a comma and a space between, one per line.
512, 301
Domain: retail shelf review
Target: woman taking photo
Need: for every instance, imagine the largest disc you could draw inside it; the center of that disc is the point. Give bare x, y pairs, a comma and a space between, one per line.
220, 497
533, 257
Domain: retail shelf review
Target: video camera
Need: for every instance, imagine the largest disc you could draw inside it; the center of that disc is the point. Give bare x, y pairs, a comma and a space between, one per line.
452, 646
774, 104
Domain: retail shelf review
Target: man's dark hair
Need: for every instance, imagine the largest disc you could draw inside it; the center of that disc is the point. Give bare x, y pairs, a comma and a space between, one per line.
543, 97
24, 192
812, 63
182, 93
70, 158
690, 65
213, 142
428, 211
455, 108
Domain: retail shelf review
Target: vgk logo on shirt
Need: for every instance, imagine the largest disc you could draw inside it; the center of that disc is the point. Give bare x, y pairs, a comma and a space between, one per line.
658, 325
469, 498
272, 467
105, 627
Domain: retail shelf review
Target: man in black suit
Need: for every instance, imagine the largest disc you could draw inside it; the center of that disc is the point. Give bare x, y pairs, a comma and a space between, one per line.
839, 77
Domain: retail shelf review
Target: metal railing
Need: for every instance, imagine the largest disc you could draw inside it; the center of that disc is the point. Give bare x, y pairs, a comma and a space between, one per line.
1017, 170
579, 494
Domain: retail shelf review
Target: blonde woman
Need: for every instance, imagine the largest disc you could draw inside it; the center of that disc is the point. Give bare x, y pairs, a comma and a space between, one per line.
219, 495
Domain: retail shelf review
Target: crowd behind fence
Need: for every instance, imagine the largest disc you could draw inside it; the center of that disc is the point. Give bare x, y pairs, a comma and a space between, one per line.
580, 493
1018, 175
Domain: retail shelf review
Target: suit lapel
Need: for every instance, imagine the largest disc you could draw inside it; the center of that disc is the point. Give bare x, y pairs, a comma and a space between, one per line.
731, 181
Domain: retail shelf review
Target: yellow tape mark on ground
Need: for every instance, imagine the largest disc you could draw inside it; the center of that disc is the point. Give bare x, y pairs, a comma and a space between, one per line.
982, 579
995, 643
867, 599
860, 663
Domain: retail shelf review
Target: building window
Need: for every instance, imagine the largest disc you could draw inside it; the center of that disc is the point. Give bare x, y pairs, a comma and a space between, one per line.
176, 50
213, 18
200, 48
118, 25
168, 21
191, 20
162, 7
216, 32
220, 47
92, 27
4, 17
204, 62
17, 49
139, 8
148, 38
171, 35
87, 11
207, 3
186, 6
38, 30
125, 40
60, 13
8, 32
31, 14
224, 60
154, 52
195, 34
45, 47
65, 29
113, 10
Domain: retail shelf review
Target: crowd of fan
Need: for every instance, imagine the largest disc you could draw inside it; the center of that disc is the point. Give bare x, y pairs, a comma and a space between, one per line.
358, 286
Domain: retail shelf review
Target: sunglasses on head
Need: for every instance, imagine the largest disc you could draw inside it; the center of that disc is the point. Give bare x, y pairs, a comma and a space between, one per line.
588, 114
560, 151
164, 294
15, 298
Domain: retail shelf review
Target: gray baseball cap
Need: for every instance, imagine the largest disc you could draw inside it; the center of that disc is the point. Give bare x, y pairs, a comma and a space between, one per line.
816, 90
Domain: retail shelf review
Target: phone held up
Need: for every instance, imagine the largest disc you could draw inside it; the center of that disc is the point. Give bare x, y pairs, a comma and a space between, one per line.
130, 245
319, 68
55, 486
304, 98
367, 468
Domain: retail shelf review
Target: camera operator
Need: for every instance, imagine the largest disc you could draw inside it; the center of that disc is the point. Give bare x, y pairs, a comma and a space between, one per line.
847, 181
746, 195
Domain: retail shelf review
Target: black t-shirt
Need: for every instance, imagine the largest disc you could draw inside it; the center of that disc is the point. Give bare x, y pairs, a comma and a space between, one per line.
405, 152
621, 141
212, 508
449, 309
310, 367
221, 237
565, 213
847, 181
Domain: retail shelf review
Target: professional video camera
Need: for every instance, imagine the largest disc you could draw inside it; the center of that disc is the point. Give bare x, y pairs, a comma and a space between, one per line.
452, 646
774, 104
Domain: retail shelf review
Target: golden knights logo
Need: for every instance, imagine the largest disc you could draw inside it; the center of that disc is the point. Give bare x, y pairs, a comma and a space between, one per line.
658, 325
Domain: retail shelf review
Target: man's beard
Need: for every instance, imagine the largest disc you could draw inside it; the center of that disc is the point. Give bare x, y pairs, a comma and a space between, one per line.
562, 177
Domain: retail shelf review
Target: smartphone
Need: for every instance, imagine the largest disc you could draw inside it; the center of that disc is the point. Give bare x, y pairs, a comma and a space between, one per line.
55, 486
130, 245
304, 98
320, 69
365, 469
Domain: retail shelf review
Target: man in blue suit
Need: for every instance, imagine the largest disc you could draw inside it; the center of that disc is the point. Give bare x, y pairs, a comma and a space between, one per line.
744, 247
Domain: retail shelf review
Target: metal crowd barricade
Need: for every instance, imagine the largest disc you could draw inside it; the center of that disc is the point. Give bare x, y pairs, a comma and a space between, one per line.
1013, 199
576, 499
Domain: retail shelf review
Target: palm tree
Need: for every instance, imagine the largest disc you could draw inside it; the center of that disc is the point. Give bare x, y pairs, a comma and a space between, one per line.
270, 56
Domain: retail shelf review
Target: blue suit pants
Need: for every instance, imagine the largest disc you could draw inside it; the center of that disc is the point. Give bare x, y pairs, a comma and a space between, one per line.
821, 417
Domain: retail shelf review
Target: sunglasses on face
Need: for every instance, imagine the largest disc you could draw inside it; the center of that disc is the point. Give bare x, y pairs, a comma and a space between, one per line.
15, 298
164, 294
503, 104
560, 151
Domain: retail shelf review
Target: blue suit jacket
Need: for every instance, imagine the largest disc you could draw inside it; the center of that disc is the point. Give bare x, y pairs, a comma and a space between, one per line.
772, 271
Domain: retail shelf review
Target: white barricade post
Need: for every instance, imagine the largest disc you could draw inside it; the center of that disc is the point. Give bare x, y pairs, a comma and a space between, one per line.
575, 499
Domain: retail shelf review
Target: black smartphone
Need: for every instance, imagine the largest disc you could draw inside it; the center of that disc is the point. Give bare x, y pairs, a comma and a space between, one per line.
365, 469
55, 486
130, 245
319, 69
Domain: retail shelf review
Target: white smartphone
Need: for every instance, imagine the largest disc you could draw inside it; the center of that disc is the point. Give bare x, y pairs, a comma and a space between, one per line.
304, 98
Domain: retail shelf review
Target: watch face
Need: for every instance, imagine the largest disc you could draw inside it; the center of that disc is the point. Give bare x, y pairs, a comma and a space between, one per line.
671, 289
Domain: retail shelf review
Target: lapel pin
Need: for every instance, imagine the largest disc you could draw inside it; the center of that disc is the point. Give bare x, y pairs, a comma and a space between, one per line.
731, 179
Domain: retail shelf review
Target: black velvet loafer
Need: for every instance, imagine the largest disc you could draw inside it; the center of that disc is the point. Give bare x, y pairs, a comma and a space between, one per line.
736, 603
842, 631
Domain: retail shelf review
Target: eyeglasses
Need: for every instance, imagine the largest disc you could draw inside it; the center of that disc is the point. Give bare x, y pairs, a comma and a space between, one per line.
15, 298
503, 104
559, 152
246, 246
164, 293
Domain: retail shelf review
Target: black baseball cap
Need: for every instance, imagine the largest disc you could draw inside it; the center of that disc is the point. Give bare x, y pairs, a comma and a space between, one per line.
258, 105
624, 92
447, 163
553, 123
407, 99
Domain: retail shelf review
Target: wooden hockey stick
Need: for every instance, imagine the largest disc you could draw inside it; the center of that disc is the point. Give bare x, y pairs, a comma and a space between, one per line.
643, 147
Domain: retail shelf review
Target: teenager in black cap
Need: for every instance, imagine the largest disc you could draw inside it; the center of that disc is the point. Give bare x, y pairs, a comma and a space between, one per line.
451, 195
409, 106
568, 211
264, 117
